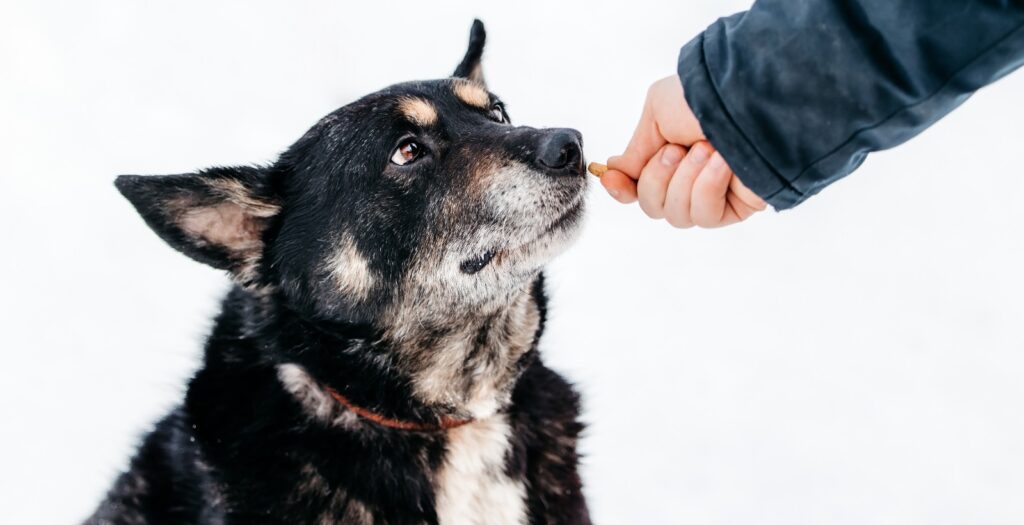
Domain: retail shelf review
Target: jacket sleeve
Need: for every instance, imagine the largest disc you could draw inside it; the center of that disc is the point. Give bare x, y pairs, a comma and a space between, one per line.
796, 93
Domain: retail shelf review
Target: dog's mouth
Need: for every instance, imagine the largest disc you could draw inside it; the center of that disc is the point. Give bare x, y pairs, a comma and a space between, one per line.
477, 263
567, 219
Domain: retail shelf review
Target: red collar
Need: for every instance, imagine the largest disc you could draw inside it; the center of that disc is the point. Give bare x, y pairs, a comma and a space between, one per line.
444, 423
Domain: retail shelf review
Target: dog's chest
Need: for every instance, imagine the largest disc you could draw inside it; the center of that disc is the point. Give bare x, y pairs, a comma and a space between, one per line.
472, 485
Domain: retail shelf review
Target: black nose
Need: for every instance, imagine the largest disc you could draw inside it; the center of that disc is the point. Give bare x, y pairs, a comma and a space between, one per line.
561, 150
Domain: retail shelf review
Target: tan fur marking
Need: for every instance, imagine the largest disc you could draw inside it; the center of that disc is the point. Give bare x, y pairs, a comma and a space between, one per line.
315, 401
477, 74
473, 94
450, 375
352, 271
356, 513
418, 110
235, 223
237, 193
225, 225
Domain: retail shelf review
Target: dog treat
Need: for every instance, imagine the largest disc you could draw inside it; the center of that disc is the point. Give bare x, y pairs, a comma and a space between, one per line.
597, 168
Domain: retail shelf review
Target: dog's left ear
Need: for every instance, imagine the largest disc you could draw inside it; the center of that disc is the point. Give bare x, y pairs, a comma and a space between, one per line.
216, 216
471, 67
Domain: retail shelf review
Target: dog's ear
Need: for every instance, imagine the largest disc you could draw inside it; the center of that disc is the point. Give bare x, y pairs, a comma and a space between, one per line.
216, 216
471, 67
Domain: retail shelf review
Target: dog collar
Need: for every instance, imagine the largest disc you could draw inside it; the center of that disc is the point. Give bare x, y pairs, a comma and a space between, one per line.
444, 423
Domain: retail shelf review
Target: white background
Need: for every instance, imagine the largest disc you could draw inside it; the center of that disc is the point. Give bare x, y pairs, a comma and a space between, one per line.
856, 360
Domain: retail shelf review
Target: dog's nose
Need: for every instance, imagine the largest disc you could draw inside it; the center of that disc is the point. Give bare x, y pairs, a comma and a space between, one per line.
561, 151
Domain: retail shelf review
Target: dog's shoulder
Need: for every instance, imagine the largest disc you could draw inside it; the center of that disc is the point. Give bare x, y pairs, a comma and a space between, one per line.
542, 395
166, 482
546, 430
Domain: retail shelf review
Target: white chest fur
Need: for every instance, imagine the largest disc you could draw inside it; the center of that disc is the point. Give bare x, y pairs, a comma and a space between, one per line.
472, 487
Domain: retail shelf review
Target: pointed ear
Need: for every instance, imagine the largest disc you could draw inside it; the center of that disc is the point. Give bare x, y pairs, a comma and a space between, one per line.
216, 216
471, 67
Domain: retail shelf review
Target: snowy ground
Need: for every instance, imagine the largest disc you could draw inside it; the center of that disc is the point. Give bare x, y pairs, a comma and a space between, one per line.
856, 360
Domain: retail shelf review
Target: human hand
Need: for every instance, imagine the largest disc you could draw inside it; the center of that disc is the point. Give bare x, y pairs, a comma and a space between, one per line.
684, 187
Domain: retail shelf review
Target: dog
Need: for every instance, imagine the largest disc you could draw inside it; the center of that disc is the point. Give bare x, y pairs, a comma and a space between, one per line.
376, 360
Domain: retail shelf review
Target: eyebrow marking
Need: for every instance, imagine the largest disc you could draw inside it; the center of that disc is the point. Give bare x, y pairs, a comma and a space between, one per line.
473, 94
418, 110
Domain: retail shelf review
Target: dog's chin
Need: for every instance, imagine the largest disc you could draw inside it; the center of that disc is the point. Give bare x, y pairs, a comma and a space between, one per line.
552, 240
542, 245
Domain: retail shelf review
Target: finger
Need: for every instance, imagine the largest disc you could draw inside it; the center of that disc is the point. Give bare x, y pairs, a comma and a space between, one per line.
619, 186
677, 200
736, 210
745, 195
708, 201
655, 177
644, 143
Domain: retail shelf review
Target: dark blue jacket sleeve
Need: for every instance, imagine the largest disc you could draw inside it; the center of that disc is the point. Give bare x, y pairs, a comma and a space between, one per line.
796, 93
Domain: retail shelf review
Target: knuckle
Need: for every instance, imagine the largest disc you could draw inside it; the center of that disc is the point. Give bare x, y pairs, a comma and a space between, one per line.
699, 154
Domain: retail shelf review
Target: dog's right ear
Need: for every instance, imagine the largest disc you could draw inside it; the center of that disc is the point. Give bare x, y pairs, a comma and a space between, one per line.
216, 216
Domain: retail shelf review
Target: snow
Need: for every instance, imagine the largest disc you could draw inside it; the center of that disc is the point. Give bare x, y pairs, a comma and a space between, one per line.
855, 360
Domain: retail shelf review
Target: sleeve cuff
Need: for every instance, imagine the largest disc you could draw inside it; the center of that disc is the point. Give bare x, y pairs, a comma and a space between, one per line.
722, 132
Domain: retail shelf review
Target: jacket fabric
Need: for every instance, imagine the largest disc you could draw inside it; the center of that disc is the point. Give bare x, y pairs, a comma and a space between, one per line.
796, 93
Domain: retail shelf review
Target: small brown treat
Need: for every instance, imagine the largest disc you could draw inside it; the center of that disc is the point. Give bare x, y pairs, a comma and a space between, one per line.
597, 168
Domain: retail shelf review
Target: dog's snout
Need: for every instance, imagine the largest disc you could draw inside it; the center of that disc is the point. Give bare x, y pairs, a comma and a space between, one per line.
561, 151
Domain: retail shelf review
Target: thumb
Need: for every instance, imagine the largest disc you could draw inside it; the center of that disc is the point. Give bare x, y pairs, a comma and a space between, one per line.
646, 141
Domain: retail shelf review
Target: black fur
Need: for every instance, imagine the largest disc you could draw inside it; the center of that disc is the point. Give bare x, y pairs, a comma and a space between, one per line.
470, 65
243, 447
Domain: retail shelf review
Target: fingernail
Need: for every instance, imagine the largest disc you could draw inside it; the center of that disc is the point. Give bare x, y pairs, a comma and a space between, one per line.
717, 162
614, 194
699, 153
671, 155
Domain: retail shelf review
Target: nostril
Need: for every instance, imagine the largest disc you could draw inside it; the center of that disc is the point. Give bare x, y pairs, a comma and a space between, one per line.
563, 155
570, 152
559, 150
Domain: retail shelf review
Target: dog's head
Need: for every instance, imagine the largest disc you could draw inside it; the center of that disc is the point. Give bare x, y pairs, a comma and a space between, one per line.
419, 200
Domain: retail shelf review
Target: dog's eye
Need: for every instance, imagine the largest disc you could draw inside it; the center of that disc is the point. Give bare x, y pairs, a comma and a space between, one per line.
498, 112
406, 152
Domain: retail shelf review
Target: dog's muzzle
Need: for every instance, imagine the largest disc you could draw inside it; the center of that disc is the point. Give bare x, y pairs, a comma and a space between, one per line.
560, 152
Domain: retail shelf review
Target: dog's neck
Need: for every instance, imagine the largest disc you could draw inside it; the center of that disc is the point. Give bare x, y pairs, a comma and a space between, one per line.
428, 370
468, 361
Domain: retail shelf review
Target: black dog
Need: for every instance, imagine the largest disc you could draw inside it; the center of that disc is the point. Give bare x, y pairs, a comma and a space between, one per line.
377, 360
